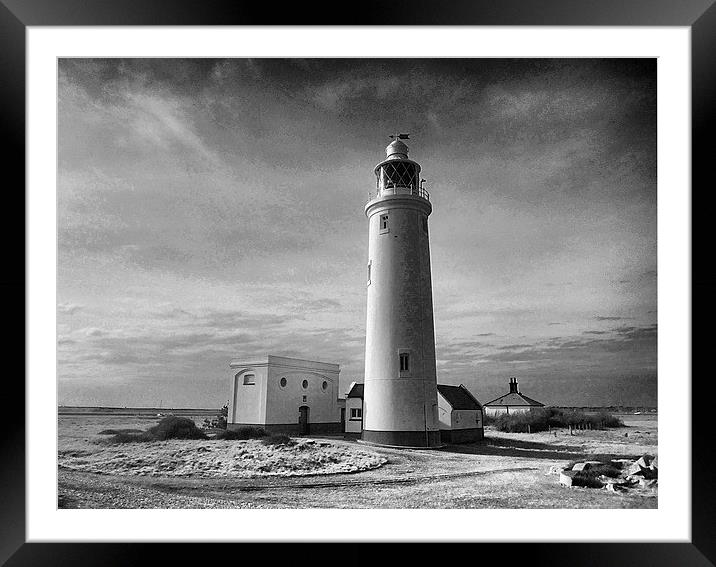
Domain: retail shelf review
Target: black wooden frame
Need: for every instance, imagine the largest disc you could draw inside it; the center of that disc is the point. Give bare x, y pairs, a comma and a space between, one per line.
698, 15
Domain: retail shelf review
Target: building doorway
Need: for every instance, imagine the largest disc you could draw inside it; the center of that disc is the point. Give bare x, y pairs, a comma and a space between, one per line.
303, 424
343, 420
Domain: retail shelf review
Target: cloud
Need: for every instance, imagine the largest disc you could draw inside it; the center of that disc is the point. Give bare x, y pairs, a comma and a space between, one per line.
211, 209
69, 308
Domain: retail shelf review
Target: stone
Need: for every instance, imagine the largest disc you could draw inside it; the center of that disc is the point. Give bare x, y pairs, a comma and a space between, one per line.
585, 466
634, 469
566, 478
644, 461
649, 473
654, 463
651, 483
614, 487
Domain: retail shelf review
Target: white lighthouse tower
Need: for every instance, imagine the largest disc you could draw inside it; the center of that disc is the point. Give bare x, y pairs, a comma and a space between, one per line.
400, 397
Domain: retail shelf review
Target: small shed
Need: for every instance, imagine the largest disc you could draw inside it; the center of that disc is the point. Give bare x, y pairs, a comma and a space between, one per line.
512, 402
460, 415
354, 409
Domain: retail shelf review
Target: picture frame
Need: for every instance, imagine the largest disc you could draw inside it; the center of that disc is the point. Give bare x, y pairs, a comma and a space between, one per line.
699, 16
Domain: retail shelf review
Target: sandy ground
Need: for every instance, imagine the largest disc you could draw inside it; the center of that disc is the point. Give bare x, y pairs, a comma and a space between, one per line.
505, 471
219, 459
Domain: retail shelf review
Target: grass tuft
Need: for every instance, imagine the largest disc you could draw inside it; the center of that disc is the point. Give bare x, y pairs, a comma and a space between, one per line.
277, 439
242, 433
119, 431
171, 427
541, 419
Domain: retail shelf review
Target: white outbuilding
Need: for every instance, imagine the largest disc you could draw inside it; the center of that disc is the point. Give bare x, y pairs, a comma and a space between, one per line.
354, 410
287, 395
460, 415
512, 402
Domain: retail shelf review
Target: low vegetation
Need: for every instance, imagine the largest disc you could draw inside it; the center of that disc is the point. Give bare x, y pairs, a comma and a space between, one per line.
542, 419
597, 470
277, 439
242, 433
171, 427
119, 431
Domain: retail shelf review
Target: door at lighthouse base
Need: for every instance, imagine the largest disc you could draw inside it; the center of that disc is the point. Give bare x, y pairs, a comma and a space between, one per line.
303, 425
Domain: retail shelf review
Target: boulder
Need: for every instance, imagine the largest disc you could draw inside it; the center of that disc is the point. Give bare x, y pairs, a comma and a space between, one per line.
567, 478
634, 469
651, 483
585, 466
645, 461
654, 463
616, 488
649, 473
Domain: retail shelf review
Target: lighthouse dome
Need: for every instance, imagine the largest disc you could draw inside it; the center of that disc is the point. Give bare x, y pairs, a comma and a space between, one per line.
396, 150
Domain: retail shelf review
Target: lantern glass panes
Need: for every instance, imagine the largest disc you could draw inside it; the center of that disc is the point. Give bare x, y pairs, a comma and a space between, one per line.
398, 174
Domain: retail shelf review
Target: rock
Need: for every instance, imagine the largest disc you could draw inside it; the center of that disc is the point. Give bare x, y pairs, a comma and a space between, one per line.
585, 465
616, 488
651, 483
654, 463
634, 469
566, 478
650, 473
609, 480
644, 461
621, 464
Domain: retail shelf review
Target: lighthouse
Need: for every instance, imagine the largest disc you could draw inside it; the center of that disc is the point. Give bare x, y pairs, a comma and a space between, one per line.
400, 396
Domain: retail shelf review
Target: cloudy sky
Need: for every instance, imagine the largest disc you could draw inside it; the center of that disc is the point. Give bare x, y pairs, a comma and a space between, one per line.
213, 209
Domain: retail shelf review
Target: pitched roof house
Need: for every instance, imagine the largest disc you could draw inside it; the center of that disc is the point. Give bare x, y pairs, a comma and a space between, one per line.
460, 415
354, 409
511, 402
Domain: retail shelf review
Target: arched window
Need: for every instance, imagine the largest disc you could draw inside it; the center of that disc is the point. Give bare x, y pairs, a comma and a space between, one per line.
304, 384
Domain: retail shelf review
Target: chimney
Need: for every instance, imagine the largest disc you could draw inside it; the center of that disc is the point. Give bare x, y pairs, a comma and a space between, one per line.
513, 386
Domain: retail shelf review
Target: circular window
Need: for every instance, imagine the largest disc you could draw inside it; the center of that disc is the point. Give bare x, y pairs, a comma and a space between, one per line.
304, 384
283, 382
324, 385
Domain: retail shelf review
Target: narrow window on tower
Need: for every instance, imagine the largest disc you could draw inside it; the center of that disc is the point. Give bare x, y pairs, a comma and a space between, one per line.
369, 264
404, 362
384, 224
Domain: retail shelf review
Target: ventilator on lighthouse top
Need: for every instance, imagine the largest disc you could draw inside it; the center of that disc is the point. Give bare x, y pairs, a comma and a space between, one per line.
400, 405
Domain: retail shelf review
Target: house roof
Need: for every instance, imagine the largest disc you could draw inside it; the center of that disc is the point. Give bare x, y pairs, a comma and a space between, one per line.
356, 391
515, 399
459, 397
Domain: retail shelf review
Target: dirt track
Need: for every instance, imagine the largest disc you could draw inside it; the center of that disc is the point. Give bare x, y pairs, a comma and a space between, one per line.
506, 471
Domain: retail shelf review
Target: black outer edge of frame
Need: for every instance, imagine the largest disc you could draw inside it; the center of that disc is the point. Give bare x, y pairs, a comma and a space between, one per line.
15, 15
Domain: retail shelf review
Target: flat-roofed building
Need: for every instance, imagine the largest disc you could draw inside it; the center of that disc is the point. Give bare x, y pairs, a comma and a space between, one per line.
287, 395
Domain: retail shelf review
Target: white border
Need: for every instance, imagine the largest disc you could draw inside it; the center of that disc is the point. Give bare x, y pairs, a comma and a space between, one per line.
671, 522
